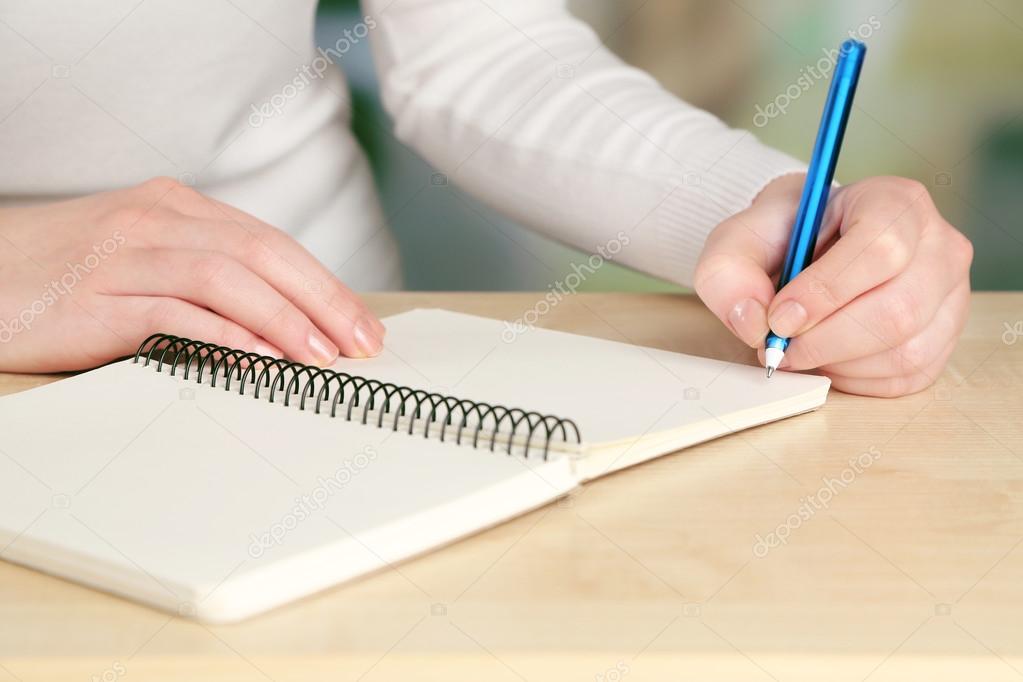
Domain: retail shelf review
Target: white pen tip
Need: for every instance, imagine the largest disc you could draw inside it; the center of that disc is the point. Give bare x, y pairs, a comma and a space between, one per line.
772, 359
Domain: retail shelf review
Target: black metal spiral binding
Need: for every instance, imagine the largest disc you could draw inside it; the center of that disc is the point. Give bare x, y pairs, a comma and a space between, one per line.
295, 379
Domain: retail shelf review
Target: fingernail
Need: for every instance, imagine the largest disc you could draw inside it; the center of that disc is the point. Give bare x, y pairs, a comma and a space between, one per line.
788, 318
267, 350
749, 321
367, 339
322, 349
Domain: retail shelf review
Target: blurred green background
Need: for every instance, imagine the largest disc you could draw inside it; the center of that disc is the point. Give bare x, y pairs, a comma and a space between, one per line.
941, 101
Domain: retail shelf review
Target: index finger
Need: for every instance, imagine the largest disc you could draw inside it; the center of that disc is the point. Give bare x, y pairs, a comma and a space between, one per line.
880, 231
297, 274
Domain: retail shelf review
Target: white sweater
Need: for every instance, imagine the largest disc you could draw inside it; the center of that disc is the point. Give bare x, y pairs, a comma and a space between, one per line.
514, 100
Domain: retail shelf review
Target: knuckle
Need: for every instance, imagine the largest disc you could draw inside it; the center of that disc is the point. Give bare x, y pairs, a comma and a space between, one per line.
164, 188
160, 315
147, 221
125, 216
962, 247
918, 198
161, 184
913, 355
184, 196
259, 243
890, 250
254, 247
707, 270
877, 183
910, 196
899, 315
230, 335
908, 187
700, 276
208, 268
905, 191
342, 300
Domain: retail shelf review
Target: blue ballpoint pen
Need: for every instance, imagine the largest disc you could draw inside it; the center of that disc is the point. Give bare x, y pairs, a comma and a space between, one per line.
819, 177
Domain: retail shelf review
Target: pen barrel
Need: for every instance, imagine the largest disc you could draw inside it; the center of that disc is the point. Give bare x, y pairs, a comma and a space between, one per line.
821, 172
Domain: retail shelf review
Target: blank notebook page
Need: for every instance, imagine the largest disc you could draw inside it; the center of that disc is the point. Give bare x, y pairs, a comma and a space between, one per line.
138, 483
615, 392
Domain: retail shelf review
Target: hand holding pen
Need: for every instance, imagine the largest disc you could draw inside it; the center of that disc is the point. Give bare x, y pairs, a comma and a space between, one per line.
880, 309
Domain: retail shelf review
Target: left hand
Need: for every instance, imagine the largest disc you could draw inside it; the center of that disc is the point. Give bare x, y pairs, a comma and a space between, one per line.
880, 309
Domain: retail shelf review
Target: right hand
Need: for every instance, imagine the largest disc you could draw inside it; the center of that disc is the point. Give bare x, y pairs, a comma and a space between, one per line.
86, 280
880, 309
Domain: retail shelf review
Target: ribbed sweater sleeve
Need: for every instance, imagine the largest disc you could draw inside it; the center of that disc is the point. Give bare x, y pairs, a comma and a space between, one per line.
520, 104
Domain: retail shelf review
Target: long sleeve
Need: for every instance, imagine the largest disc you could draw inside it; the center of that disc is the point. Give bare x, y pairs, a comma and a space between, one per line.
521, 105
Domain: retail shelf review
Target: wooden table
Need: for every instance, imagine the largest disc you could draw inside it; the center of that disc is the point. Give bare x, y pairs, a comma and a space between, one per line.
910, 571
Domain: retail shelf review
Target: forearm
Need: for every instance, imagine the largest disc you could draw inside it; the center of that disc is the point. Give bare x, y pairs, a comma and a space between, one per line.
520, 104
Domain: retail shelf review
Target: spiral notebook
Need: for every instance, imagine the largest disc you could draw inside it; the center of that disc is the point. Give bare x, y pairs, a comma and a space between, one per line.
216, 484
